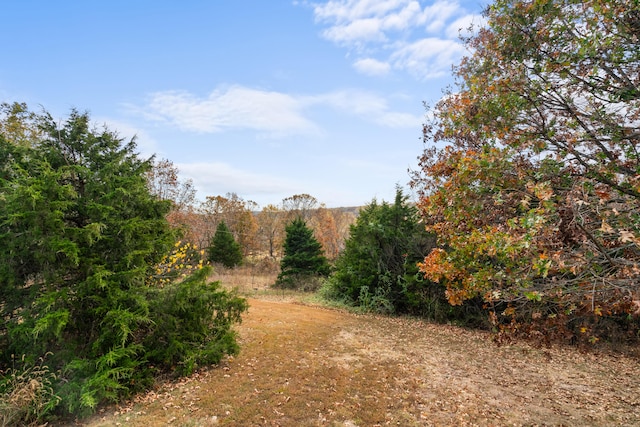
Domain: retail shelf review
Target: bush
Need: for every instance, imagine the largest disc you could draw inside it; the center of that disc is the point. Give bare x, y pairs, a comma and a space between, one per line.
188, 313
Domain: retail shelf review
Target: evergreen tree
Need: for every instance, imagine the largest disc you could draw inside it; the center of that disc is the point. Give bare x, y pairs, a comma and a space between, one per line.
303, 260
224, 249
80, 235
377, 269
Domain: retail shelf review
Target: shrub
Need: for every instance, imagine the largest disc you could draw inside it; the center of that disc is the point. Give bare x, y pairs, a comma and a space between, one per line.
192, 312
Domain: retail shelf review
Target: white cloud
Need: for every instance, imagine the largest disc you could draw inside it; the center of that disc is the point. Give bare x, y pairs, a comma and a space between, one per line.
218, 178
358, 103
350, 10
367, 30
427, 58
368, 106
397, 31
235, 107
366, 167
461, 25
272, 113
403, 19
436, 16
364, 21
146, 145
400, 120
372, 67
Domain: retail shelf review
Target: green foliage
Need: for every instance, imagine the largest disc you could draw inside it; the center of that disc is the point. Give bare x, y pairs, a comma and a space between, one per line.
224, 249
17, 123
378, 268
192, 312
80, 238
303, 262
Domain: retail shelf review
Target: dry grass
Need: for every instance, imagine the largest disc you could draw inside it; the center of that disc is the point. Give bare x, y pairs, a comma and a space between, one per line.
248, 279
254, 281
304, 365
28, 395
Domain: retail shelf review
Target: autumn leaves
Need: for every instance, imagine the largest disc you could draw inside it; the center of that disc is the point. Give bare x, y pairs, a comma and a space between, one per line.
530, 176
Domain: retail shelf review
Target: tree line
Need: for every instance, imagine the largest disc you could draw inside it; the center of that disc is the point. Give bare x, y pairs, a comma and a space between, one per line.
260, 232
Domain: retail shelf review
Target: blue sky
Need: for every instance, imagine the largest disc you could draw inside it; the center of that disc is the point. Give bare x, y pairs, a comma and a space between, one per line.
263, 98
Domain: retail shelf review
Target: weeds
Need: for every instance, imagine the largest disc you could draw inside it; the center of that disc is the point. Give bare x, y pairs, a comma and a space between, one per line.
26, 394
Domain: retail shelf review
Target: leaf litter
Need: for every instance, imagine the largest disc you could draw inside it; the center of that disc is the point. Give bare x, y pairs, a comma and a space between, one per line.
303, 365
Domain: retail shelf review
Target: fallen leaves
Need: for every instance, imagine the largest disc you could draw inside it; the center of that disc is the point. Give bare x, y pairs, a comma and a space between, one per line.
302, 365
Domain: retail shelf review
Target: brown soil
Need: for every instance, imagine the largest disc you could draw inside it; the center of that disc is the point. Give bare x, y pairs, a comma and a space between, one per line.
302, 365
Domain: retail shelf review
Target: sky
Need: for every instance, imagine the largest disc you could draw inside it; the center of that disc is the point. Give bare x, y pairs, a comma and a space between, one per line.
262, 98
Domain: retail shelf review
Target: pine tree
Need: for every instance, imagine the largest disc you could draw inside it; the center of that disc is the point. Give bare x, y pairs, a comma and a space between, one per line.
303, 259
224, 249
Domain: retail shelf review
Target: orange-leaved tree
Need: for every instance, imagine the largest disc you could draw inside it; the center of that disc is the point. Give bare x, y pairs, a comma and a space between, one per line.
271, 223
238, 215
531, 175
325, 230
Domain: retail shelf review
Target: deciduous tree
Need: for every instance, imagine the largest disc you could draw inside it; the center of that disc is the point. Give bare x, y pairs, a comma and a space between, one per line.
271, 221
237, 213
165, 183
326, 231
299, 206
532, 178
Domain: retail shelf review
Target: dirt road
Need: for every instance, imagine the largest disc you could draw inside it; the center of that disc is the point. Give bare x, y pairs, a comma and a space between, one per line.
309, 366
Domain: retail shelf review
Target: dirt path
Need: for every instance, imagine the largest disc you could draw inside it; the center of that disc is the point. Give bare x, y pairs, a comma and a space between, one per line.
309, 366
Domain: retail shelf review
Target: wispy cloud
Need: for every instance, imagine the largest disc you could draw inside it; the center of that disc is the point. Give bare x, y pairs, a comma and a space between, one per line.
367, 106
435, 17
146, 145
355, 32
397, 32
463, 26
352, 22
268, 112
428, 57
234, 107
372, 67
219, 178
